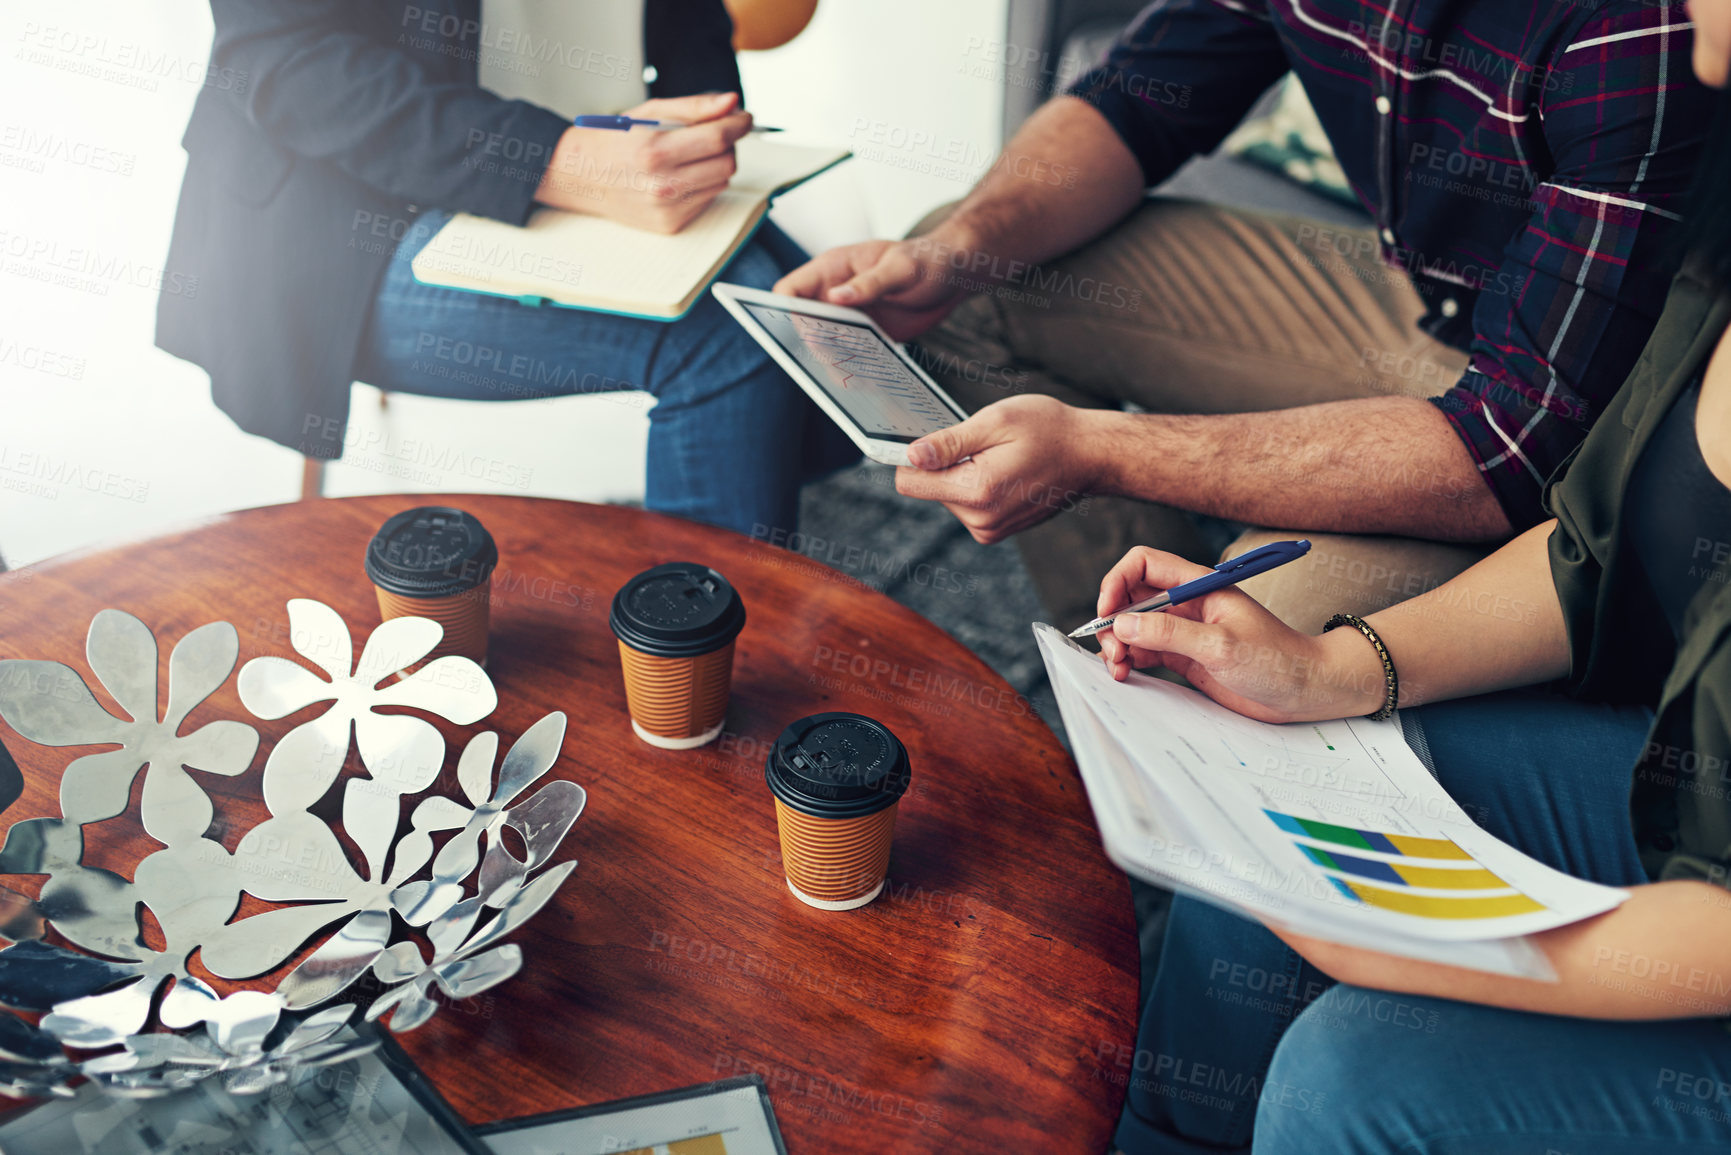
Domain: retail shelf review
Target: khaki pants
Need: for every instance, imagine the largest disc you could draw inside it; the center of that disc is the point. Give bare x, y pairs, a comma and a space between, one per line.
1195, 308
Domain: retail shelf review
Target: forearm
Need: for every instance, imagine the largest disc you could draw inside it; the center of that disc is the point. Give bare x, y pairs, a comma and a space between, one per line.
1375, 465
1062, 180
1663, 954
1494, 627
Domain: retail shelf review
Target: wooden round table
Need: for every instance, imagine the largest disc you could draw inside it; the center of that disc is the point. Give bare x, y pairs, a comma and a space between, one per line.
982, 1003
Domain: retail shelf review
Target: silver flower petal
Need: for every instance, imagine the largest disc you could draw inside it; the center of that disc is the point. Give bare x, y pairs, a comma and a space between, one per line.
273, 687
402, 753
199, 663
501, 874
22, 1043
305, 761
414, 849
259, 943
371, 814
102, 1020
98, 786
402, 962
530, 756
319, 634
239, 1023
222, 747
49, 703
316, 1028
452, 687
546, 818
475, 767
342, 959
254, 1080
419, 903
467, 977
38, 976
122, 651
397, 644
21, 919
413, 1007
174, 809
522, 906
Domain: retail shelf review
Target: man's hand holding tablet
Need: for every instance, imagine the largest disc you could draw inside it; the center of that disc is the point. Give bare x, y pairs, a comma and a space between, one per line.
864, 381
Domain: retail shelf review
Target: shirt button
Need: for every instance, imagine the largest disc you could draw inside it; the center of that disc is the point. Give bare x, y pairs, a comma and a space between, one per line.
651, 74
1450, 307
1383, 106
1387, 235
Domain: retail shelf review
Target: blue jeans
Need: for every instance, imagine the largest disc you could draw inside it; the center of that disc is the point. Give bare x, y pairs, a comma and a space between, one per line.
1244, 1046
731, 439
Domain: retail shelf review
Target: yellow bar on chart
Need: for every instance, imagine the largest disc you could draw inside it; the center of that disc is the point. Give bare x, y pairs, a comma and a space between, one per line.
1427, 847
701, 1145
696, 1145
1431, 906
1442, 878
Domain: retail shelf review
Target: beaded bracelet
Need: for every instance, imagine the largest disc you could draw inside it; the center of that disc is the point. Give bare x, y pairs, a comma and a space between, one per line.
1390, 679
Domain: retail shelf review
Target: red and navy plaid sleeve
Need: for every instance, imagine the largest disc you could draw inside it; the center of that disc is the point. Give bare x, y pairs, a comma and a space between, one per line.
1182, 76
1578, 289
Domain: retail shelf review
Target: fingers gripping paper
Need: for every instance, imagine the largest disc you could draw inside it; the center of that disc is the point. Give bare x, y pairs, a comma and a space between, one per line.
1334, 829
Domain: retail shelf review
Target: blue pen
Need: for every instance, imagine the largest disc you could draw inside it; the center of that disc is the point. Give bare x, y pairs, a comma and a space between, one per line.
1227, 573
627, 123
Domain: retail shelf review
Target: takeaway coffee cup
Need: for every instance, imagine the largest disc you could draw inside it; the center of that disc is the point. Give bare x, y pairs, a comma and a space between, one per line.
676, 625
836, 779
436, 562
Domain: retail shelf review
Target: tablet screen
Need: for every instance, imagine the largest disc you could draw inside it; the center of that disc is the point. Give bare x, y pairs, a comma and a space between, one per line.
862, 374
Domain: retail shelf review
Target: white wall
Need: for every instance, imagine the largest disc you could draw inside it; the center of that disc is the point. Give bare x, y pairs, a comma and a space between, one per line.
102, 436
908, 86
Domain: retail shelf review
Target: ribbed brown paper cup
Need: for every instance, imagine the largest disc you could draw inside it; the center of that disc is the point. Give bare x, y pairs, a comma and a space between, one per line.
676, 626
837, 780
436, 562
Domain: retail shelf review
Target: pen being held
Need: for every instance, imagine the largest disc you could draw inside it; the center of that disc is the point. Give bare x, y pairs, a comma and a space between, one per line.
1225, 643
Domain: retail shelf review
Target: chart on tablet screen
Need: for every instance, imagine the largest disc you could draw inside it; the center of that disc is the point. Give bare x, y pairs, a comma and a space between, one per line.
855, 354
858, 371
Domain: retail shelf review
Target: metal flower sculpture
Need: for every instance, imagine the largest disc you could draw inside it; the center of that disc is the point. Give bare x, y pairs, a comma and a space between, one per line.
172, 1028
235, 1046
48, 702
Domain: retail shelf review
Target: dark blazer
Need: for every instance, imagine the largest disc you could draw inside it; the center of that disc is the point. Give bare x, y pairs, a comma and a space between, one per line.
324, 128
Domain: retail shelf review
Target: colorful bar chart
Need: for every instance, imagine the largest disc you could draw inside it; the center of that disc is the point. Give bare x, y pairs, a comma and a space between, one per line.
1404, 844
1439, 906
1406, 874
1391, 885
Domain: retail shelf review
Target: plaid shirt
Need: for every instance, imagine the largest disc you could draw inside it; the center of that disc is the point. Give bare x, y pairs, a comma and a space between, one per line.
1523, 163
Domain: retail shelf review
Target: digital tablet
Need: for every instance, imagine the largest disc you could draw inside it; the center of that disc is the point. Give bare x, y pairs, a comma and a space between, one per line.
371, 1103
865, 382
729, 1117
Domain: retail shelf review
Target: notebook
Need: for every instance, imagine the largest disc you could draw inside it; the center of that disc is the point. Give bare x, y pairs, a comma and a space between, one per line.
588, 262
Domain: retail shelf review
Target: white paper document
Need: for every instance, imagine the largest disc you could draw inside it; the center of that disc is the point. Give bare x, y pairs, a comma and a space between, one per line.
1332, 829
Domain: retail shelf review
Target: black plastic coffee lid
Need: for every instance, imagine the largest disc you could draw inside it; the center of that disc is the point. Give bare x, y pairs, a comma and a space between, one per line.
431, 552
837, 766
678, 610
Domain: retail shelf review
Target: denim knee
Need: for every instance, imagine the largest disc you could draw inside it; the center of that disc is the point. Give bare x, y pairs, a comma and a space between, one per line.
1340, 1074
